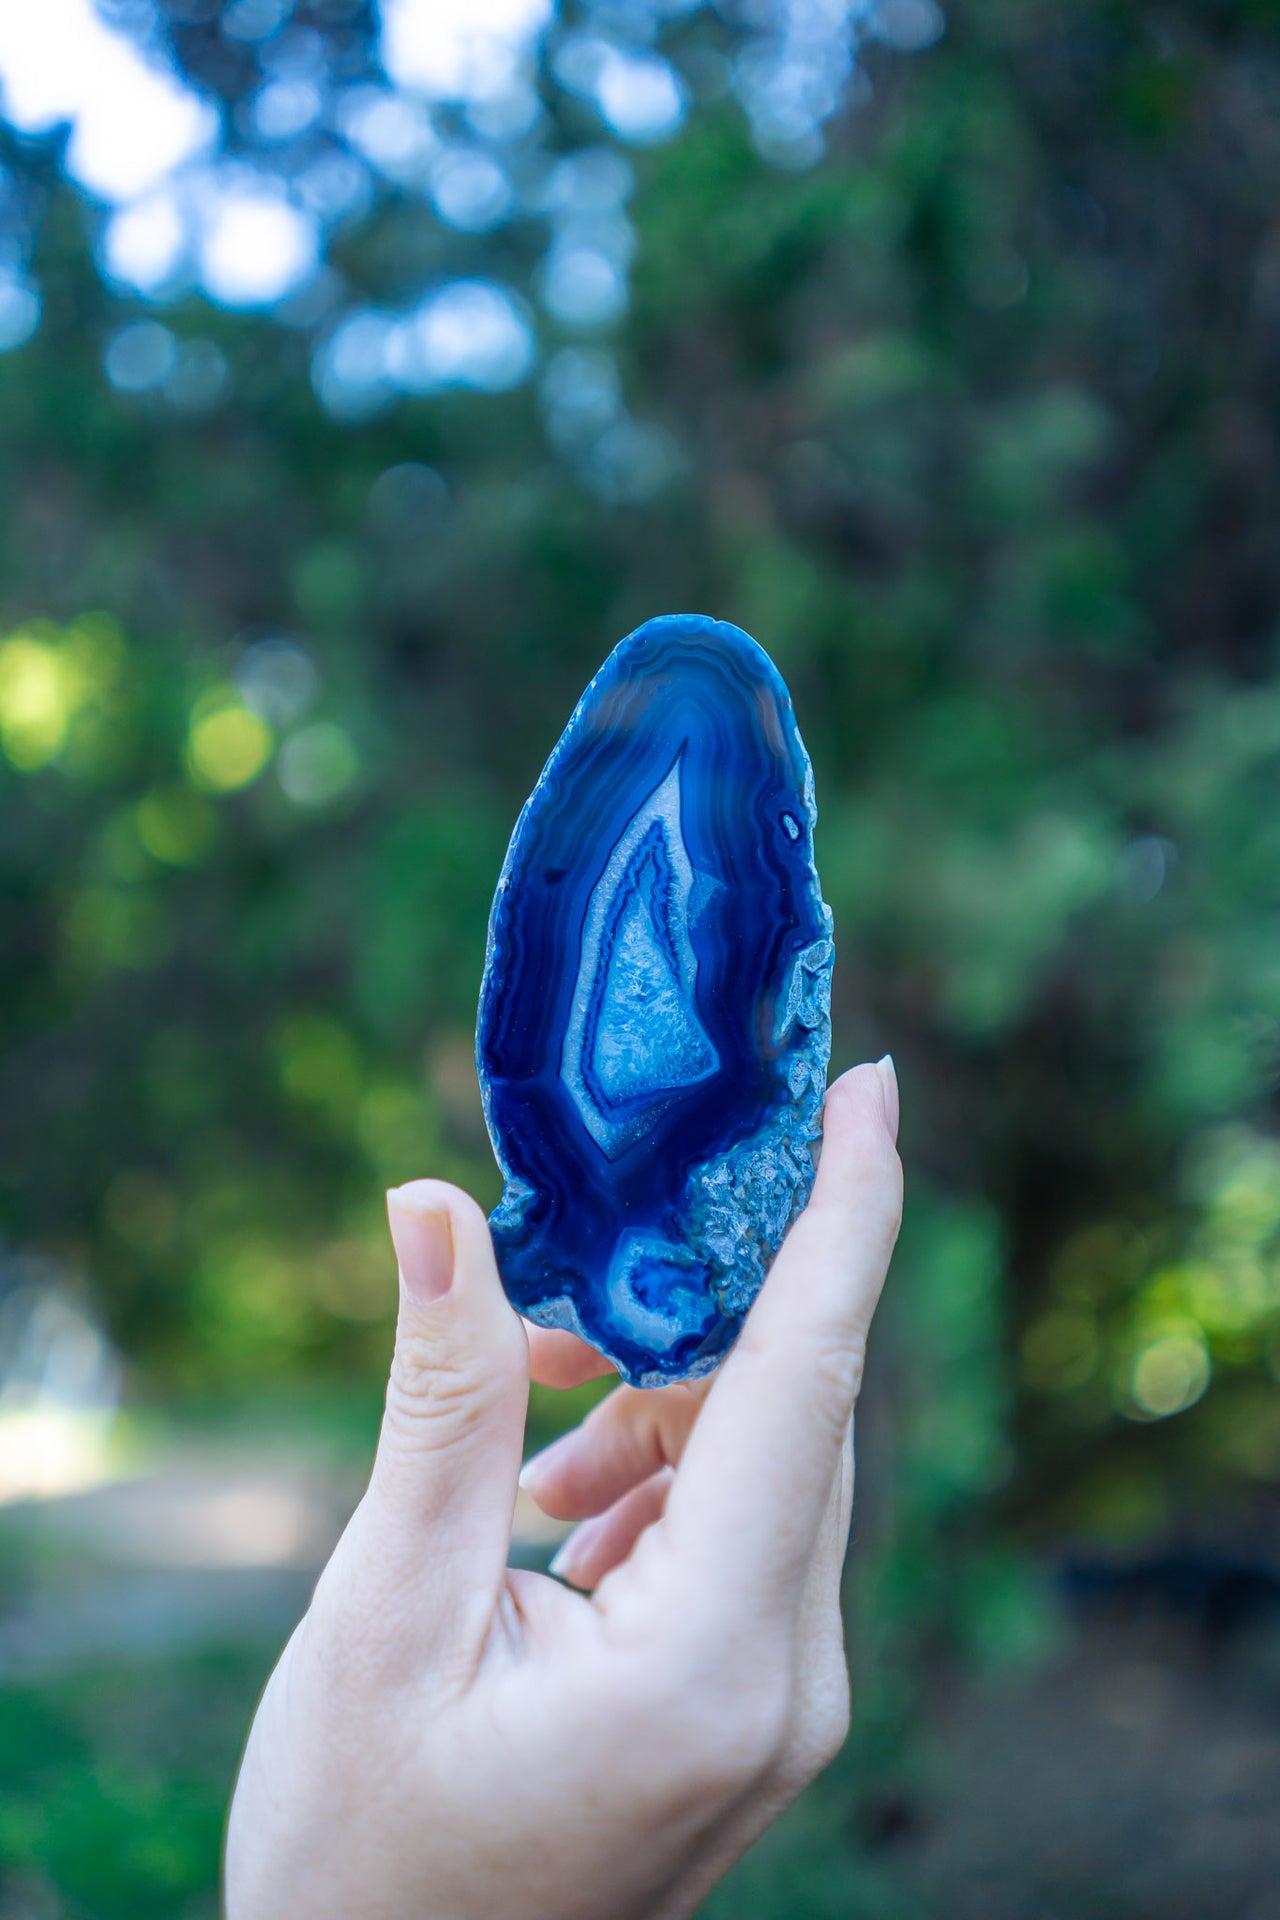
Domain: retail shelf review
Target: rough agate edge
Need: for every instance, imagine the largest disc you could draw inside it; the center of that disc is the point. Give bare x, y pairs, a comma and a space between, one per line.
654, 1020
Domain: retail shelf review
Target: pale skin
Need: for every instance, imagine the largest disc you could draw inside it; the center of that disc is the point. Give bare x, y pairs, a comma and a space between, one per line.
447, 1738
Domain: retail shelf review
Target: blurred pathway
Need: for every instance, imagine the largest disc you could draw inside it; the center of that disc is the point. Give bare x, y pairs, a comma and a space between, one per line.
205, 1548
1136, 1776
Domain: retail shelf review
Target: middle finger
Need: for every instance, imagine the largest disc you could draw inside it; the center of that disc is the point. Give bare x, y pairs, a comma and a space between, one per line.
631, 1435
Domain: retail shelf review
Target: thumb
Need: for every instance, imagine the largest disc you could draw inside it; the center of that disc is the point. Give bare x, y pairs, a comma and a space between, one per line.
755, 1480
435, 1523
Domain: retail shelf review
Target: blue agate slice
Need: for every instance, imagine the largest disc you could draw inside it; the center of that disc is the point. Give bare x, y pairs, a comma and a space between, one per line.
655, 1015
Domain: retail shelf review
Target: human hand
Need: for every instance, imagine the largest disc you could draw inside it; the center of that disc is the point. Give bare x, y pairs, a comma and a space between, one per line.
446, 1738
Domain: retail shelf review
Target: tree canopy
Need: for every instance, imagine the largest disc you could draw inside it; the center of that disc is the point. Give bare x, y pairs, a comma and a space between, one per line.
956, 386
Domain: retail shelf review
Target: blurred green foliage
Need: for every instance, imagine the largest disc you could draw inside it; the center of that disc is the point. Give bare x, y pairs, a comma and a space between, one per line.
974, 425
975, 428
112, 1787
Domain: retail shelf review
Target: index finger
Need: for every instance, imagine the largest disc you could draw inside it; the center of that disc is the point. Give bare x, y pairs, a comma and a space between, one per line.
756, 1476
559, 1359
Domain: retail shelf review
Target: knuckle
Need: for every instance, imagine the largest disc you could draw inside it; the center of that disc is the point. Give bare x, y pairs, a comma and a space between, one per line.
436, 1389
836, 1378
820, 1731
753, 1735
422, 1371
721, 1747
725, 1709
744, 1743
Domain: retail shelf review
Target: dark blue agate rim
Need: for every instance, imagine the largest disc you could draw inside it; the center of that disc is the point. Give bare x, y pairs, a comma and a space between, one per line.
702, 690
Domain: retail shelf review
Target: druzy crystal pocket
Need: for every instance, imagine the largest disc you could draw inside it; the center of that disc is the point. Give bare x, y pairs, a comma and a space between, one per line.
655, 1014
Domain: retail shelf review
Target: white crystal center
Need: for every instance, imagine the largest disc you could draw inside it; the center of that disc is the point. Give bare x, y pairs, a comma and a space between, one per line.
634, 1038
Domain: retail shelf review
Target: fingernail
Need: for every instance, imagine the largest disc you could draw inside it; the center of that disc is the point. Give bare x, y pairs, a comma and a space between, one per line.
566, 1562
535, 1467
889, 1093
422, 1235
562, 1560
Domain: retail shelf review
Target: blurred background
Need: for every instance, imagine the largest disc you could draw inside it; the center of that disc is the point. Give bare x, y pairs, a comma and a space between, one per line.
367, 371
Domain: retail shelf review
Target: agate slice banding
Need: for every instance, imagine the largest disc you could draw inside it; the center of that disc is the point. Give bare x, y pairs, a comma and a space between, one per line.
655, 1015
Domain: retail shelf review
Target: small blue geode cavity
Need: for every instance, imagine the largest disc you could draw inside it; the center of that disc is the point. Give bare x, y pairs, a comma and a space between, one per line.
655, 1015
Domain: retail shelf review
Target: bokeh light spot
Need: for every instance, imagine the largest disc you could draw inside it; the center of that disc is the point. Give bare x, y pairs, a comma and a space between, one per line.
144, 245
350, 372
392, 133
19, 313
277, 678
228, 747
140, 357
286, 108
472, 333
582, 286
317, 765
256, 245
37, 700
407, 499
459, 49
470, 190
176, 826
251, 20
638, 95
1170, 1374
909, 26
132, 120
